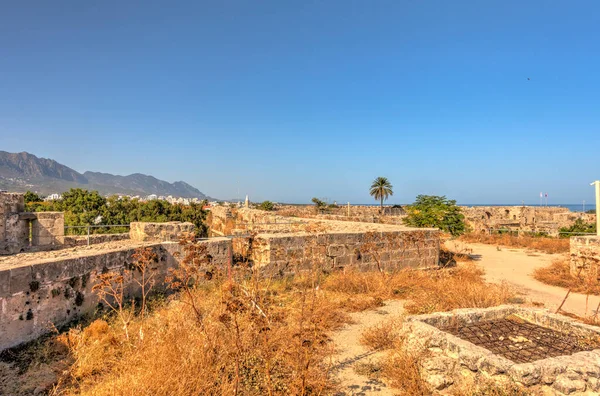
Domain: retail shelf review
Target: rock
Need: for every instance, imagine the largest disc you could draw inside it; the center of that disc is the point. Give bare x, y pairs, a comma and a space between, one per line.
550, 369
439, 381
470, 358
494, 365
568, 386
527, 374
593, 384
440, 364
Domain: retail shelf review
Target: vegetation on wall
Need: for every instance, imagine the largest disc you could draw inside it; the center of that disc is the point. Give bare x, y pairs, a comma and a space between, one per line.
83, 207
438, 212
579, 227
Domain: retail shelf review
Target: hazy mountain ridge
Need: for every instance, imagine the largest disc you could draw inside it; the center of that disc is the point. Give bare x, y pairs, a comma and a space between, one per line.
24, 171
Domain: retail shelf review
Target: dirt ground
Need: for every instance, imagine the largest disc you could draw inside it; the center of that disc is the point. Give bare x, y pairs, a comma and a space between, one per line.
351, 353
516, 266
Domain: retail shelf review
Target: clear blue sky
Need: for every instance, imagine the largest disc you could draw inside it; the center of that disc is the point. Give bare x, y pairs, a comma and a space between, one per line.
286, 100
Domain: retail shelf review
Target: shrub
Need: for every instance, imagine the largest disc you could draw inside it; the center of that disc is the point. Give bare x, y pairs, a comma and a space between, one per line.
435, 211
266, 205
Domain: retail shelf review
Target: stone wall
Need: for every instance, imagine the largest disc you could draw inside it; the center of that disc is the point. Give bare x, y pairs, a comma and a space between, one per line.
527, 218
14, 233
585, 255
24, 231
36, 295
82, 240
450, 360
284, 245
159, 232
389, 251
48, 229
223, 221
479, 218
364, 211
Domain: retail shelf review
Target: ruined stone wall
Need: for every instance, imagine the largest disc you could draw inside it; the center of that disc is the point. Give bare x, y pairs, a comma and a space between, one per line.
285, 244
527, 218
585, 255
82, 240
362, 211
14, 233
23, 231
48, 229
389, 251
36, 295
159, 232
239, 221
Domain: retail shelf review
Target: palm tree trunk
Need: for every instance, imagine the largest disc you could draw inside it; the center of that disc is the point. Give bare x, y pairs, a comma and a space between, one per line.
381, 210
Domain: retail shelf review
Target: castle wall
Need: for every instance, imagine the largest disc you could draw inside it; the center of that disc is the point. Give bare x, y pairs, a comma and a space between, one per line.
281, 254
36, 295
23, 231
284, 244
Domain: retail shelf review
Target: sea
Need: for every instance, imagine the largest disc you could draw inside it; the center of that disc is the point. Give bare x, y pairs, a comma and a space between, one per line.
572, 207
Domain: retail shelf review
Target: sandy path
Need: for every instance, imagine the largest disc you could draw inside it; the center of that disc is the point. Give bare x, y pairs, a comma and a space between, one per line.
516, 266
351, 352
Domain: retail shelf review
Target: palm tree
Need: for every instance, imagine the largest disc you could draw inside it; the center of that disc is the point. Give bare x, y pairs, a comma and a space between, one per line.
381, 189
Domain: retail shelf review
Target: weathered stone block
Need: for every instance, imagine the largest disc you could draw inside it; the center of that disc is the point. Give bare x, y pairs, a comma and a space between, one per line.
159, 232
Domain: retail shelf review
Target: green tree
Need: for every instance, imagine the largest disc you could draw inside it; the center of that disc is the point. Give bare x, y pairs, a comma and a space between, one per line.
319, 205
82, 208
266, 205
381, 189
31, 197
436, 211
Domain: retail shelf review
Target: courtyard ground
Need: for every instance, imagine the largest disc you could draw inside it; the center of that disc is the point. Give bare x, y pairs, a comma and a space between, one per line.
516, 266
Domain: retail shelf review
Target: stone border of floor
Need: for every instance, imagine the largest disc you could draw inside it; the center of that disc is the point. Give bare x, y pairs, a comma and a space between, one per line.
450, 358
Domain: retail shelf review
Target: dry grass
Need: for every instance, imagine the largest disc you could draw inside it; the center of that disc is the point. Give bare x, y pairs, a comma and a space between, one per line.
381, 336
558, 274
428, 291
541, 244
403, 368
266, 343
256, 336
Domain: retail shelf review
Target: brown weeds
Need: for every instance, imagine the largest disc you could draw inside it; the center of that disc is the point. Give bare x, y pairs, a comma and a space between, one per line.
541, 244
381, 336
428, 291
558, 274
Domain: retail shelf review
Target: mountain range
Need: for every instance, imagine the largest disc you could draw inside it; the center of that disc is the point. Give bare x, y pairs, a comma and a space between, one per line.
23, 171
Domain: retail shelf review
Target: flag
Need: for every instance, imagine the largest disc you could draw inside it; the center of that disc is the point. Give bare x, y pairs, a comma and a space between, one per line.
546, 195
541, 195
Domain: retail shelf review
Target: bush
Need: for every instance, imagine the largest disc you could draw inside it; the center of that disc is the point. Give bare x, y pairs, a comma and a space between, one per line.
31, 197
578, 227
267, 205
438, 212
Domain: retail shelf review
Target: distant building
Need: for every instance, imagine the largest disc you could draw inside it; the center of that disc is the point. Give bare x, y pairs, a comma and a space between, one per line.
53, 197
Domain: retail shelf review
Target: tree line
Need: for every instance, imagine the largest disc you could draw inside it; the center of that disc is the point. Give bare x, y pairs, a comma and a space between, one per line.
83, 208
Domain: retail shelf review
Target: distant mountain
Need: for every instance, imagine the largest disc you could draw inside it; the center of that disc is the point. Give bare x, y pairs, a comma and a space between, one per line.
24, 171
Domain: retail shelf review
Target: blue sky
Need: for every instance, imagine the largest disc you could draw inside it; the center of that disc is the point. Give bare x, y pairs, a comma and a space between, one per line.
286, 100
